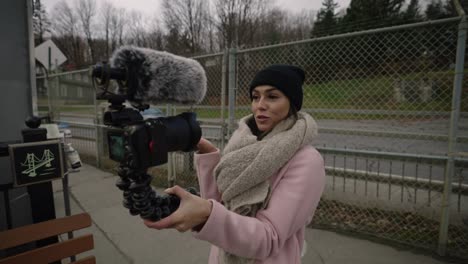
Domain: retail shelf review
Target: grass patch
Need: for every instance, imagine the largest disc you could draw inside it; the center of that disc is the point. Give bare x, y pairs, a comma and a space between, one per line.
371, 94
89, 110
357, 94
364, 94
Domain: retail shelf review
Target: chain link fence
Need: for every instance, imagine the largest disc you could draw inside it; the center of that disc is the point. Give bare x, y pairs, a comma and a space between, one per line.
383, 102
70, 101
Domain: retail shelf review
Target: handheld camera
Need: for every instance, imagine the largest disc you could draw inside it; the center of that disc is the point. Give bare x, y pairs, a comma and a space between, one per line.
138, 144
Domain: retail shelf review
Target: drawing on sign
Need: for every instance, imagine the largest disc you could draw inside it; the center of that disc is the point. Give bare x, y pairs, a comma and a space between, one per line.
33, 163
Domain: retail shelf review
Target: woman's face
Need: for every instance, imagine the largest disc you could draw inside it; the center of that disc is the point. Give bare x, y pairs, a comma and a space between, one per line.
269, 107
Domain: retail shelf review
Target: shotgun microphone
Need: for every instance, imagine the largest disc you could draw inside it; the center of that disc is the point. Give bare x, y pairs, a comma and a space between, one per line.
153, 77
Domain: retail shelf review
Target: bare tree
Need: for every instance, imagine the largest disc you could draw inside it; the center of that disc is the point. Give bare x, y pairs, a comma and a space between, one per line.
108, 12
191, 26
118, 22
211, 45
86, 10
188, 18
237, 20
66, 33
155, 36
271, 27
137, 27
298, 25
278, 25
64, 19
112, 23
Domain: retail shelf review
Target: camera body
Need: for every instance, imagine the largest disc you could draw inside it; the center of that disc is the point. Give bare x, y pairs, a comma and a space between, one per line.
148, 142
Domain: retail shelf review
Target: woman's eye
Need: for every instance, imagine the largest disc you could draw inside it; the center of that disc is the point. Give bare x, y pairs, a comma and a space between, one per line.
254, 97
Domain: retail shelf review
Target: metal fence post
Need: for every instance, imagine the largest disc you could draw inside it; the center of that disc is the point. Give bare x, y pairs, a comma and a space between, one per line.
101, 139
452, 139
56, 98
170, 157
224, 73
99, 133
49, 95
232, 90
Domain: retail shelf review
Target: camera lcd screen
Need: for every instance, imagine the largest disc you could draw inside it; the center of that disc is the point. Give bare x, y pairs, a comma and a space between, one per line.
115, 141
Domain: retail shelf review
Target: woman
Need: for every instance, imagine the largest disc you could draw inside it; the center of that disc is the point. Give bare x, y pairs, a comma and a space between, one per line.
258, 197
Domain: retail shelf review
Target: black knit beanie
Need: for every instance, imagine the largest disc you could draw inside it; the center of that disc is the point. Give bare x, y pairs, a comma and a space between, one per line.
286, 78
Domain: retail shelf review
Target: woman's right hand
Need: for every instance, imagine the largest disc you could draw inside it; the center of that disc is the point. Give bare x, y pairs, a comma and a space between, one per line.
204, 146
192, 213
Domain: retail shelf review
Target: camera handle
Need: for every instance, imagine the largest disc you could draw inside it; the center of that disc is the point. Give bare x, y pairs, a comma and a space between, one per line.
139, 197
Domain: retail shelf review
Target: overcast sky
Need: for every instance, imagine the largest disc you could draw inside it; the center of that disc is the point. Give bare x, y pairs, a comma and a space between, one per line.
152, 6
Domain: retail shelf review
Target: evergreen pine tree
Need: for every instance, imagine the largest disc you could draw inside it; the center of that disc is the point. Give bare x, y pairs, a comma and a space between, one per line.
369, 14
326, 19
436, 10
411, 13
41, 23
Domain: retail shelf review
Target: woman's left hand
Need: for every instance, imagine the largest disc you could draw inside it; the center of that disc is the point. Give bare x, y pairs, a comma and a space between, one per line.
193, 211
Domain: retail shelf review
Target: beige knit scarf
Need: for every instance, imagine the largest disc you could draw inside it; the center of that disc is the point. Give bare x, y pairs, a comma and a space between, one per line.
243, 173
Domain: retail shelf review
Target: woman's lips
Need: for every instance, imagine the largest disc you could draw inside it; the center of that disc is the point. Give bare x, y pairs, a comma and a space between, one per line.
262, 118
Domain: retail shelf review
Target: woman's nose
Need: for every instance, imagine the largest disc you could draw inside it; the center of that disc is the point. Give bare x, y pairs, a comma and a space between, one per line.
261, 103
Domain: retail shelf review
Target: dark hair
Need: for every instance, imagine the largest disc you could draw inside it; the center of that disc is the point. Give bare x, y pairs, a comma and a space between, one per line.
293, 111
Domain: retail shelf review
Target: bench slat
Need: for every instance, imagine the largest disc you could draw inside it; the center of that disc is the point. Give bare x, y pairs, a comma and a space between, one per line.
53, 252
26, 234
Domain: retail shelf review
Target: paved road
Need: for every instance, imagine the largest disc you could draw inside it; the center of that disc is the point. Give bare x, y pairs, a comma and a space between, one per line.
415, 128
438, 127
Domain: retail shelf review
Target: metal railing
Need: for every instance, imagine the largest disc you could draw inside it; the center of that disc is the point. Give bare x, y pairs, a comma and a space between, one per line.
384, 100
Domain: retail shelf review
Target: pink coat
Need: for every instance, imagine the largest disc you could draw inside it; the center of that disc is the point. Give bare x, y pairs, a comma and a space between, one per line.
276, 234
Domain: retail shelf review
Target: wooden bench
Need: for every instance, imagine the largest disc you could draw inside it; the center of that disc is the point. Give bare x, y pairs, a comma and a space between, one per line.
50, 253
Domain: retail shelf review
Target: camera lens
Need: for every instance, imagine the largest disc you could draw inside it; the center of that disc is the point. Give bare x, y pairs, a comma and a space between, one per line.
182, 132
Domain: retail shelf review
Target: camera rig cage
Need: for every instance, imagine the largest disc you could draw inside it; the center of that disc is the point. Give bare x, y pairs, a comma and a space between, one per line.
138, 144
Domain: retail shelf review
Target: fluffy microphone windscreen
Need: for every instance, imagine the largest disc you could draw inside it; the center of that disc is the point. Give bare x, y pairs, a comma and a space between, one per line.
162, 77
